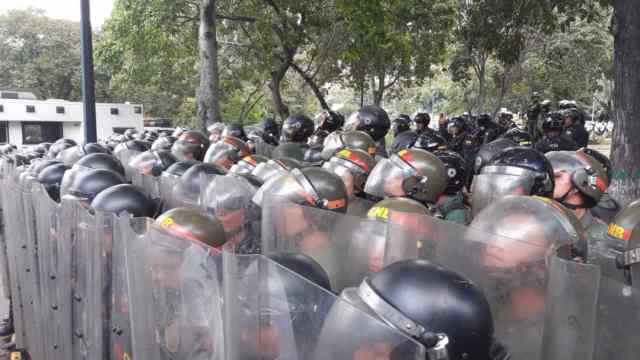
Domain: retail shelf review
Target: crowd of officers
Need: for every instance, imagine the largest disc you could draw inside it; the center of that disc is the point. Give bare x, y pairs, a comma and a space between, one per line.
456, 171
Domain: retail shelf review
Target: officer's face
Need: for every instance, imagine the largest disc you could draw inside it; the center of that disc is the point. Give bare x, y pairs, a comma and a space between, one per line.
518, 245
563, 183
292, 220
232, 222
165, 270
393, 186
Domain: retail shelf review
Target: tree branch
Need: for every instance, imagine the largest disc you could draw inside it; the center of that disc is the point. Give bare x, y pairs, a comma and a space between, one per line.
236, 18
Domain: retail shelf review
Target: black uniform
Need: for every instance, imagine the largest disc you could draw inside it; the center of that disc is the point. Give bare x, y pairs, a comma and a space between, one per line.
403, 140
556, 143
579, 134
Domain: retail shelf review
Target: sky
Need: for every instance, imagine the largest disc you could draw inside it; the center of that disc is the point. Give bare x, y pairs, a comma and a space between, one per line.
63, 9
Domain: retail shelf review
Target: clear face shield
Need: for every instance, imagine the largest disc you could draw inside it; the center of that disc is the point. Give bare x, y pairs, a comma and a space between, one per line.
496, 182
351, 175
145, 163
390, 178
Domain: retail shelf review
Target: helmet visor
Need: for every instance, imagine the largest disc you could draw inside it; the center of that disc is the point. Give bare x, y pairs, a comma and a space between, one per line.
386, 180
490, 187
144, 163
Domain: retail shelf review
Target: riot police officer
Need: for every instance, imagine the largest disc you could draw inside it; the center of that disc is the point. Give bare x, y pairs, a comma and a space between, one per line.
403, 135
191, 145
400, 124
453, 320
329, 121
580, 182
235, 130
227, 152
553, 138
420, 124
486, 130
607, 207
296, 129
215, 131
513, 171
574, 128
533, 115
312, 155
412, 173
353, 166
374, 121
450, 205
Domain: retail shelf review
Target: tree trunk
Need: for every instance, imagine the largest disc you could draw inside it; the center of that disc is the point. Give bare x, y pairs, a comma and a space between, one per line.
378, 94
625, 146
312, 84
208, 92
274, 86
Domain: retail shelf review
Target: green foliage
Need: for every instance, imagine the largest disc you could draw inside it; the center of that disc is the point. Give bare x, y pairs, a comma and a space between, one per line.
40, 54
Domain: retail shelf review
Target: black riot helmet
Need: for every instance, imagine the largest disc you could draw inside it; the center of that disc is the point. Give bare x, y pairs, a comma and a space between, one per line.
400, 125
315, 187
329, 121
553, 122
124, 198
489, 150
71, 155
235, 130
191, 178
340, 140
42, 148
130, 146
371, 119
163, 143
423, 119
51, 178
514, 171
430, 141
191, 145
297, 129
456, 170
456, 125
530, 160
441, 309
269, 126
317, 139
58, 146
483, 119
304, 266
180, 167
288, 150
520, 137
152, 163
87, 184
37, 166
193, 224
101, 161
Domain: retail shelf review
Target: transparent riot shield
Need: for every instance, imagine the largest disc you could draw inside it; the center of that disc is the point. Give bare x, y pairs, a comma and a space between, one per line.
125, 158
174, 195
264, 149
150, 185
175, 297
32, 285
570, 319
273, 313
12, 213
229, 198
347, 247
119, 341
48, 215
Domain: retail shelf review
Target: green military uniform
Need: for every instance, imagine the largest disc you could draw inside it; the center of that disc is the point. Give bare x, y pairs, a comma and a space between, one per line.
454, 210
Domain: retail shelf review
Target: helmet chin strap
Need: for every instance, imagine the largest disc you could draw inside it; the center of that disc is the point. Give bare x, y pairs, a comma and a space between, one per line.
563, 198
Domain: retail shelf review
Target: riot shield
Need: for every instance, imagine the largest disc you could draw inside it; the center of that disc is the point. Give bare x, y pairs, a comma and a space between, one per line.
347, 247
175, 298
125, 158
48, 214
11, 197
174, 195
229, 198
273, 313
150, 185
263, 148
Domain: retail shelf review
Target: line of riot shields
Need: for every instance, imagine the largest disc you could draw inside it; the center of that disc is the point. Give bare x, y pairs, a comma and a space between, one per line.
90, 285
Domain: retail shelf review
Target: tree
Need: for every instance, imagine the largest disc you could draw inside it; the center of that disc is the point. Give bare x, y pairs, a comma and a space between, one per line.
40, 54
626, 142
208, 91
393, 44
